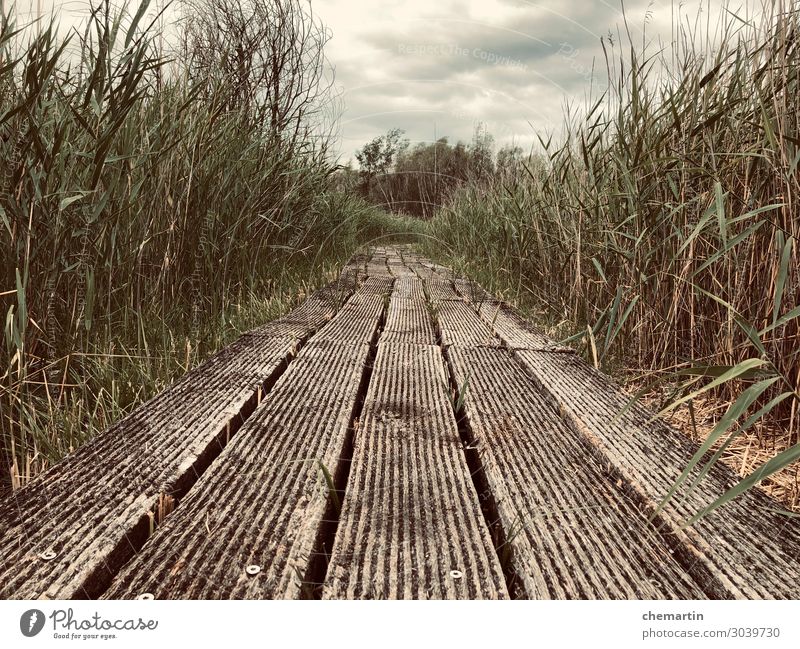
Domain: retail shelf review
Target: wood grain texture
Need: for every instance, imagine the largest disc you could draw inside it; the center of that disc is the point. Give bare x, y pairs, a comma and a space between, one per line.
262, 501
458, 324
573, 531
542, 489
93, 509
744, 550
411, 515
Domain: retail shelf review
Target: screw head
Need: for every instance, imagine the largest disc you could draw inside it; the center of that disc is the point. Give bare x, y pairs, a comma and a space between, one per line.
456, 574
47, 555
146, 596
252, 569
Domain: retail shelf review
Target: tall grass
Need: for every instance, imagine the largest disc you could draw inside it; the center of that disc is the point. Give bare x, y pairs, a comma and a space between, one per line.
663, 228
143, 222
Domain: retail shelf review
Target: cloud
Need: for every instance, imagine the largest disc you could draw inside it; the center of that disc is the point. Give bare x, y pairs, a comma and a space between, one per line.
509, 64
441, 67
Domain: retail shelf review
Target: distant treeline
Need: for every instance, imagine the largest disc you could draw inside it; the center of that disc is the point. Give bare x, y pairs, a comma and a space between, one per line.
417, 180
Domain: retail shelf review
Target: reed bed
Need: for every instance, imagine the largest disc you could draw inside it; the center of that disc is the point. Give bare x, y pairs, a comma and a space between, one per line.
661, 231
146, 217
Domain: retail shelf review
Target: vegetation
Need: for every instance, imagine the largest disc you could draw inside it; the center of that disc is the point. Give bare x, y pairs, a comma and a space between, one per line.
153, 203
156, 198
662, 230
416, 180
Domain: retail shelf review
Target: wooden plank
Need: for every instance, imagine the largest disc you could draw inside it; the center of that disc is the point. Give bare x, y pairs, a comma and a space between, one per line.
351, 276
306, 318
422, 271
408, 321
471, 291
458, 324
744, 550
513, 329
356, 321
378, 266
399, 269
439, 272
357, 264
375, 269
411, 524
409, 287
720, 551
262, 501
439, 291
573, 532
570, 482
68, 532
376, 286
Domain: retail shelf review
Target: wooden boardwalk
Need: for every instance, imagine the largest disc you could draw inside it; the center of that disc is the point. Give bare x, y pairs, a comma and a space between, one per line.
401, 434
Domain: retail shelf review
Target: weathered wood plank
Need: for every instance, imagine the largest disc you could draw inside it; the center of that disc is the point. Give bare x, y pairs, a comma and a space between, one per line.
441, 272
512, 328
356, 321
409, 287
458, 324
723, 552
471, 291
439, 291
94, 508
571, 482
573, 532
422, 271
400, 270
380, 285
411, 525
357, 264
378, 265
408, 321
375, 269
262, 501
744, 550
515, 331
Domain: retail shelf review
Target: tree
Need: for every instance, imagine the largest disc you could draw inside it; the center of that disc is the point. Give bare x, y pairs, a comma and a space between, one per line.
376, 157
270, 53
481, 154
509, 162
419, 180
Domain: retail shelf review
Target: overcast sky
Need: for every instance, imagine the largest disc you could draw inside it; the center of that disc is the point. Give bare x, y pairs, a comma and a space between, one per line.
438, 67
441, 66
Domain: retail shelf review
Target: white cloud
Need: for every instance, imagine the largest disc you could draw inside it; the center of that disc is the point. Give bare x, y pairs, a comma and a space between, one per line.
440, 67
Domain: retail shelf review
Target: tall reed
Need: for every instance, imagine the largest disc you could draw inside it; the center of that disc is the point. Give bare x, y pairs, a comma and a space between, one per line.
667, 218
144, 219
